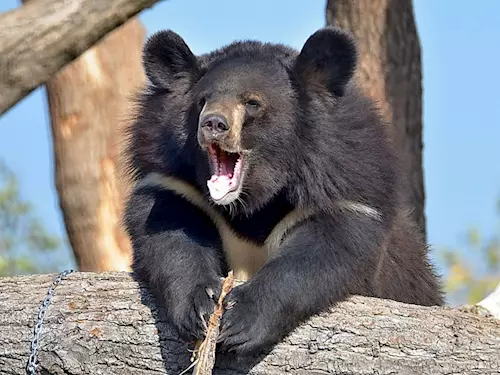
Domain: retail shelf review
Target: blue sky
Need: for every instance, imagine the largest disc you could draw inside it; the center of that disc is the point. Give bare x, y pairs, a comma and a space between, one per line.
461, 101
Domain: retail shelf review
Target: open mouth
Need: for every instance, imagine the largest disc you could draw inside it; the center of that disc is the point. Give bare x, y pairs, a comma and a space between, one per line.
227, 170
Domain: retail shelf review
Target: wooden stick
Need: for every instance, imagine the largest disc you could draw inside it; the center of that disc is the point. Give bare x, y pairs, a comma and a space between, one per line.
204, 354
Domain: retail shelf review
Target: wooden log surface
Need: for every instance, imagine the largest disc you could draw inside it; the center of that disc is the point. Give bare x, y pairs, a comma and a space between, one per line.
106, 323
39, 38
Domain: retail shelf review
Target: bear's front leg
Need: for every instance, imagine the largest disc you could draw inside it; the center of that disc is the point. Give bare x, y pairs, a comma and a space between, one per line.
321, 262
176, 254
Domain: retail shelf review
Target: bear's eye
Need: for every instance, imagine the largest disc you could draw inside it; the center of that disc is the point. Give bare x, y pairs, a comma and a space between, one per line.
254, 104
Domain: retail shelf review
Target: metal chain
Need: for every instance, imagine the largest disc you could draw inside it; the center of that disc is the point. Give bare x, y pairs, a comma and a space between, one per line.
32, 365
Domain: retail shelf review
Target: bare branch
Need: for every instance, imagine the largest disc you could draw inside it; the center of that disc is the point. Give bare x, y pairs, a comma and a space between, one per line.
39, 38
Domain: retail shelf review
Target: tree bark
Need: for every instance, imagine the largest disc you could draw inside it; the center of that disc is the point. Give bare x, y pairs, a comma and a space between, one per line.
390, 72
108, 324
38, 39
88, 103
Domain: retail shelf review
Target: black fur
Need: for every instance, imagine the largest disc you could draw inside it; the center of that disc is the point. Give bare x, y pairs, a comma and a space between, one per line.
316, 140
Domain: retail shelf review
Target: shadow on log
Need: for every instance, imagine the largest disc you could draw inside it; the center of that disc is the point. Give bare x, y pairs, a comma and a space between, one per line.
107, 323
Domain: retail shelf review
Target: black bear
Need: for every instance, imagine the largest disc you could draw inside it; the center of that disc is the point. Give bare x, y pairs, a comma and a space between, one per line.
270, 162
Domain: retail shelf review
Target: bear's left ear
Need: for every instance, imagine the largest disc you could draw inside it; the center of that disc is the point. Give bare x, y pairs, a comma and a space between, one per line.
328, 59
167, 58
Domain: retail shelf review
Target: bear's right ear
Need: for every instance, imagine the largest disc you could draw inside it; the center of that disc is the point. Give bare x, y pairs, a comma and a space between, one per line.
327, 60
166, 58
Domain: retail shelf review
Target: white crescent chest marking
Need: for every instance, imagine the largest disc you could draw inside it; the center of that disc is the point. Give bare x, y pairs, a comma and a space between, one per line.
244, 256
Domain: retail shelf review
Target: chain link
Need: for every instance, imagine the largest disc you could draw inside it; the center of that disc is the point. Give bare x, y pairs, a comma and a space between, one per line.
32, 365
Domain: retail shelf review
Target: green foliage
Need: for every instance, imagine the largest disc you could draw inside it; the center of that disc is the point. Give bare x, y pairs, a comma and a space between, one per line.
22, 235
469, 282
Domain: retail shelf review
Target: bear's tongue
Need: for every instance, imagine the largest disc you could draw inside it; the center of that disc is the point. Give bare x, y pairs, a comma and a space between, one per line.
226, 174
219, 186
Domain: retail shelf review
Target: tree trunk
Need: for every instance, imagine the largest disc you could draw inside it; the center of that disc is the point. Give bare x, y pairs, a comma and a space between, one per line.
38, 39
88, 103
105, 324
88, 107
390, 72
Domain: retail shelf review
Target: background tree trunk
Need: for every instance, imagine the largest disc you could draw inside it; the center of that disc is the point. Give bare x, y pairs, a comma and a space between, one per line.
105, 324
88, 104
88, 107
390, 72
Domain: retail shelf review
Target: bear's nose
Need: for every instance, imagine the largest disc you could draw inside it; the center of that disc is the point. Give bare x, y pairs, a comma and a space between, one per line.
214, 126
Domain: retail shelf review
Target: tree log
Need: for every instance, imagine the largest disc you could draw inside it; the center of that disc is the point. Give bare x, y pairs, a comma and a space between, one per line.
39, 38
107, 323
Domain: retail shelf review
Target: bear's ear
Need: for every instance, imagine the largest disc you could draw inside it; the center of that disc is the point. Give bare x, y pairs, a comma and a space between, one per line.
327, 60
166, 58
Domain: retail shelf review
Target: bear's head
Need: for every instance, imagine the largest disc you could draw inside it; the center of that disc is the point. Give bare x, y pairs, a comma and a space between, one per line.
235, 117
